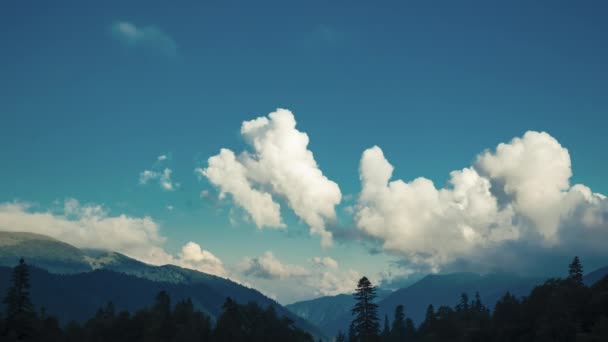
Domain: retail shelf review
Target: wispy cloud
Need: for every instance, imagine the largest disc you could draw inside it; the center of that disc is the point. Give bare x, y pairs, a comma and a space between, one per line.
297, 282
160, 173
148, 36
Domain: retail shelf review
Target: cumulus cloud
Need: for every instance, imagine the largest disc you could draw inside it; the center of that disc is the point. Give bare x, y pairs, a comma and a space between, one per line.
518, 193
149, 36
92, 226
326, 262
294, 282
332, 284
147, 175
267, 266
193, 256
230, 175
280, 166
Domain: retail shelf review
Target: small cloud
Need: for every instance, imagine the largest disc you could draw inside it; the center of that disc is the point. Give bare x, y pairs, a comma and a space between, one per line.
147, 175
165, 180
267, 266
157, 173
193, 256
148, 36
170, 207
326, 262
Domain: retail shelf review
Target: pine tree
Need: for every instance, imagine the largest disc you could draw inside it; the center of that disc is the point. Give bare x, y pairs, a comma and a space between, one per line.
386, 331
575, 271
352, 334
366, 311
398, 328
340, 337
20, 312
410, 329
463, 306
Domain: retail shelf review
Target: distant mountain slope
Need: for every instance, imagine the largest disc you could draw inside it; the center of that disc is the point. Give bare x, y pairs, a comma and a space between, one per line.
42, 251
72, 284
323, 310
595, 276
445, 289
436, 289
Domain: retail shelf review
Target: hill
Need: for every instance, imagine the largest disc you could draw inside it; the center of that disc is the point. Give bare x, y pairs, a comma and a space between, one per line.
72, 284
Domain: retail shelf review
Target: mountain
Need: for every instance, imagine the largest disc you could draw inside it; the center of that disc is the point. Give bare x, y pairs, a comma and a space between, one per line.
595, 276
446, 289
332, 314
73, 283
324, 310
436, 289
43, 251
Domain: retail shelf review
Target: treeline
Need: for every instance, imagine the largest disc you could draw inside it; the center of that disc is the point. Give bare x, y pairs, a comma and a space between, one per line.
162, 321
560, 310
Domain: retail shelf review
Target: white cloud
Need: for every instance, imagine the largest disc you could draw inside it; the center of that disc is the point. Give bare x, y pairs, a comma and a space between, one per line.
163, 175
149, 36
165, 180
170, 207
230, 175
332, 283
92, 226
327, 262
146, 175
193, 256
204, 194
267, 266
533, 172
520, 192
294, 282
280, 166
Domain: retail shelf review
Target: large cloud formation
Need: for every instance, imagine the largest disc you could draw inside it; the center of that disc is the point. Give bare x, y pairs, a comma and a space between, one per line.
92, 226
515, 198
279, 166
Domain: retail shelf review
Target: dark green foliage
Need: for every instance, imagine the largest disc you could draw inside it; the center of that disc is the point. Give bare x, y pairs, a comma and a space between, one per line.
398, 330
77, 297
159, 323
575, 271
560, 310
366, 312
20, 315
352, 334
386, 331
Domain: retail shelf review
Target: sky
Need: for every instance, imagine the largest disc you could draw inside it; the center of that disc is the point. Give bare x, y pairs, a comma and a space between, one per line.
296, 146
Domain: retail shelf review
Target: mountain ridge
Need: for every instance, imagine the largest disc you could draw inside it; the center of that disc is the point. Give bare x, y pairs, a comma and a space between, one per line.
74, 283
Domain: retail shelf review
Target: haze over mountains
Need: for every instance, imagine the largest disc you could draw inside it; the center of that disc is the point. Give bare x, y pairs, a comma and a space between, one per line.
72, 283
333, 313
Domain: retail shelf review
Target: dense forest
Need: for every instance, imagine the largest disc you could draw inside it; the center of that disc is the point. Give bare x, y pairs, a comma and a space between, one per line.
558, 310
162, 321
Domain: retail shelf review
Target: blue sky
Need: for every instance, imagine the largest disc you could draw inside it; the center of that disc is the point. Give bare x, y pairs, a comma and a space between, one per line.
86, 108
